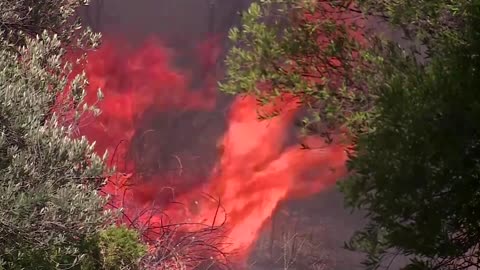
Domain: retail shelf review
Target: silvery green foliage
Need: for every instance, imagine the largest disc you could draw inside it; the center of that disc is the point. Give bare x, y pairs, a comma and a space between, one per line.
20, 18
50, 207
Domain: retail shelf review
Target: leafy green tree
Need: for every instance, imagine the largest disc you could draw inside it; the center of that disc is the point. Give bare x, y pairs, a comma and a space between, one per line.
414, 124
304, 48
416, 173
51, 214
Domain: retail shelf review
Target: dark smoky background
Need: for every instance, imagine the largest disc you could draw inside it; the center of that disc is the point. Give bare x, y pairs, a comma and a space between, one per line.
312, 230
171, 141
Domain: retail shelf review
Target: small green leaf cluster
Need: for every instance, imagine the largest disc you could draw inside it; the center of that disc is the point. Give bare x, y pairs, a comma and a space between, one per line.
121, 248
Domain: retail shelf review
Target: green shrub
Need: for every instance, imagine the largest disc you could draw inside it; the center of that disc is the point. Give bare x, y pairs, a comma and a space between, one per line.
121, 248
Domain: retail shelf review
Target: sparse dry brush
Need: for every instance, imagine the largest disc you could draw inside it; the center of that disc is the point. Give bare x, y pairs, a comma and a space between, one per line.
174, 244
285, 246
177, 248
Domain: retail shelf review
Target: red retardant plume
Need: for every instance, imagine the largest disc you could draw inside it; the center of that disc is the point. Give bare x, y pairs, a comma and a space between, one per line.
254, 172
